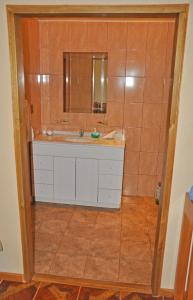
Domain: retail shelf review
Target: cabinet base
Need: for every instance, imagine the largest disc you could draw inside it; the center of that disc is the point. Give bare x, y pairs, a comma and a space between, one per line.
82, 203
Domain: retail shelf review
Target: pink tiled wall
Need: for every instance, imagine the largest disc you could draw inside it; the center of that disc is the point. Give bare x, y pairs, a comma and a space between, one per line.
140, 56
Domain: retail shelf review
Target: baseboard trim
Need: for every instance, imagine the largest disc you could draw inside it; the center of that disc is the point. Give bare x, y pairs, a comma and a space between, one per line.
93, 283
11, 277
166, 292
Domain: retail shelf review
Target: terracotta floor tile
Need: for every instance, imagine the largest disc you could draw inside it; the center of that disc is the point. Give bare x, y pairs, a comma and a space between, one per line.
71, 239
132, 200
136, 250
53, 226
43, 260
139, 222
152, 221
102, 231
68, 265
135, 271
133, 233
134, 209
100, 268
47, 241
51, 212
108, 248
80, 229
73, 245
109, 218
85, 216
96, 294
52, 291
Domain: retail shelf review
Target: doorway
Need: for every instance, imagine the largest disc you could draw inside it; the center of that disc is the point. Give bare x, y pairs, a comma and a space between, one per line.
14, 15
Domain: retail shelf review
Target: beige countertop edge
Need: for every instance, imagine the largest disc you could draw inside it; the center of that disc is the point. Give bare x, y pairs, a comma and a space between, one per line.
98, 142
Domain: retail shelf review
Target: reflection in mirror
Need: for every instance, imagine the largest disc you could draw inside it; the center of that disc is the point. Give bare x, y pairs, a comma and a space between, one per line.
85, 82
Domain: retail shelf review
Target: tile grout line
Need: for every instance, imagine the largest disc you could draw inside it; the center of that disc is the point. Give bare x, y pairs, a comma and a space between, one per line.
78, 293
55, 252
36, 291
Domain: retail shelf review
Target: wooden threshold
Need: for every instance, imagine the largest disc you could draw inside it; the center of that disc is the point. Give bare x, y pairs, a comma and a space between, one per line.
93, 283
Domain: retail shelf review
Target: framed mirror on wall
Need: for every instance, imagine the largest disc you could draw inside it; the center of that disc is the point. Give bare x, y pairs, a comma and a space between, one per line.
85, 82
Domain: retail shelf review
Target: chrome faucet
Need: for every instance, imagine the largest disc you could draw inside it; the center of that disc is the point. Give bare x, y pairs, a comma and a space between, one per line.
81, 132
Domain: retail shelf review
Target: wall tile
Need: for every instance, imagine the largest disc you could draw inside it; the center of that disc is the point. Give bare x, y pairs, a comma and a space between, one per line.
155, 63
154, 88
25, 39
148, 163
61, 39
167, 89
133, 139
165, 115
157, 36
114, 114
117, 35
95, 121
45, 86
54, 92
137, 47
55, 56
170, 50
131, 164
136, 36
32, 89
130, 184
146, 185
45, 111
97, 36
156, 49
133, 114
30, 30
116, 63
160, 162
44, 61
134, 89
162, 139
77, 36
152, 113
135, 65
116, 89
56, 88
150, 139
43, 30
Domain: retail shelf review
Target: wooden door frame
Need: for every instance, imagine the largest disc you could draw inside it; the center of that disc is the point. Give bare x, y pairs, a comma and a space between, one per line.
16, 11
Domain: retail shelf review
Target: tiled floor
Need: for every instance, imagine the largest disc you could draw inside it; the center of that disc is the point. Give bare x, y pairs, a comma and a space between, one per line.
54, 291
109, 245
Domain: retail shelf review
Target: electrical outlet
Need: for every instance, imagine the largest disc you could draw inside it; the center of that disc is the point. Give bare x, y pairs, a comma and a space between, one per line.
1, 246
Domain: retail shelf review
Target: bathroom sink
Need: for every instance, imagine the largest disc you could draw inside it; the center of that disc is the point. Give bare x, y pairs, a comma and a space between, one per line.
78, 139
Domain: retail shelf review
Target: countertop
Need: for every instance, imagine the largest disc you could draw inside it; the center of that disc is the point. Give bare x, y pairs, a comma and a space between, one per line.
59, 138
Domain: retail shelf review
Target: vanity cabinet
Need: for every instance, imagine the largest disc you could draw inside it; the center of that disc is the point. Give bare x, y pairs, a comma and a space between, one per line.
86, 180
79, 174
64, 179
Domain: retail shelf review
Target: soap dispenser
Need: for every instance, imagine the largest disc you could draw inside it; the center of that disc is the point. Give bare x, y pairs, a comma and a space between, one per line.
95, 134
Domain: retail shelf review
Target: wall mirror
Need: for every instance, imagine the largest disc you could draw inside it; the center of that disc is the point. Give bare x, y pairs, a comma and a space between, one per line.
85, 82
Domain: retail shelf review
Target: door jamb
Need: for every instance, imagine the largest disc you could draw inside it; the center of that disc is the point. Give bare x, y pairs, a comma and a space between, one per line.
13, 11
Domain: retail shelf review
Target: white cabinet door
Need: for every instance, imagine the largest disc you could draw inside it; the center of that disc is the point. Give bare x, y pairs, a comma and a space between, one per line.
64, 179
86, 180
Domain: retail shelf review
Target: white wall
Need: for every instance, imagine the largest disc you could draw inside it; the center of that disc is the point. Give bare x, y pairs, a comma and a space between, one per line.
11, 258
